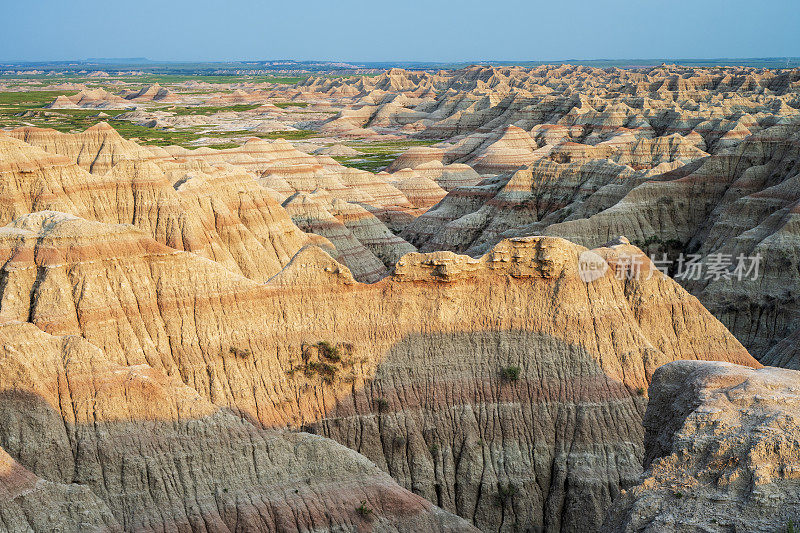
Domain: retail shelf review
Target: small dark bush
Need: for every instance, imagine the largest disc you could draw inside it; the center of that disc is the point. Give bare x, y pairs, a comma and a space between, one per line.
329, 351
510, 373
505, 493
327, 371
382, 404
240, 353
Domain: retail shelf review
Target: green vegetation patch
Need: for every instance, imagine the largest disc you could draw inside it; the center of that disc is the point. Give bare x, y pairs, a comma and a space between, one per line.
284, 105
28, 99
510, 373
379, 155
289, 135
325, 361
154, 136
210, 110
63, 120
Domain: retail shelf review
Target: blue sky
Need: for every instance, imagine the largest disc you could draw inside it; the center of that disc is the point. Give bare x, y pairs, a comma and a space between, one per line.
413, 30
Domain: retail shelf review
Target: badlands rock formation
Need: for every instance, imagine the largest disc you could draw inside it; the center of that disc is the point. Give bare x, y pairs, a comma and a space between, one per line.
722, 452
105, 447
218, 204
684, 160
548, 448
89, 98
97, 149
259, 337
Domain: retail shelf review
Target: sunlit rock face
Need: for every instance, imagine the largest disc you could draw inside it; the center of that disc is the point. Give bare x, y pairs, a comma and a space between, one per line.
263, 338
487, 338
721, 452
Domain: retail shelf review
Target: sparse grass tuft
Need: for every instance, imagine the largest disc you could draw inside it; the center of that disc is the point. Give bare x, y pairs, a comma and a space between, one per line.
364, 511
325, 370
240, 353
290, 135
329, 351
322, 359
284, 105
209, 110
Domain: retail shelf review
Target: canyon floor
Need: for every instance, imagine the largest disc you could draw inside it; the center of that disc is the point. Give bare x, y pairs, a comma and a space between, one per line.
362, 303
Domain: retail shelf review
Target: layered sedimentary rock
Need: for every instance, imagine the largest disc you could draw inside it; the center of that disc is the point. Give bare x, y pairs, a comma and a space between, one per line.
370, 231
543, 371
211, 204
592, 103
497, 385
472, 219
154, 92
415, 156
714, 179
97, 149
107, 447
422, 192
89, 98
277, 163
740, 201
722, 452
312, 213
337, 150
222, 215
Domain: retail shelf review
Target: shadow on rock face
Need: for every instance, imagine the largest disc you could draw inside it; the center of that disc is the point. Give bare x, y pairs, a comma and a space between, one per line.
214, 473
515, 431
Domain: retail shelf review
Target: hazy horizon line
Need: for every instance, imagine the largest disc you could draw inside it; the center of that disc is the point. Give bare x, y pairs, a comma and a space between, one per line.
144, 59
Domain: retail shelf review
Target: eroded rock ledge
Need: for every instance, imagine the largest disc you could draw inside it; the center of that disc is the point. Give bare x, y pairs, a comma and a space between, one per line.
722, 452
504, 389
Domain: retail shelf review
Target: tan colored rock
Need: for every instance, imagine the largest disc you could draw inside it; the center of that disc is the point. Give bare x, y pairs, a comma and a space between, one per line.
97, 149
89, 98
422, 192
370, 231
252, 347
337, 150
225, 215
112, 448
722, 452
415, 156
311, 213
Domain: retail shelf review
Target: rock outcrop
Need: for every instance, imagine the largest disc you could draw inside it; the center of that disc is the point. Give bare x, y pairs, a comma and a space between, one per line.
108, 447
249, 338
493, 397
722, 452
221, 215
96, 149
89, 98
